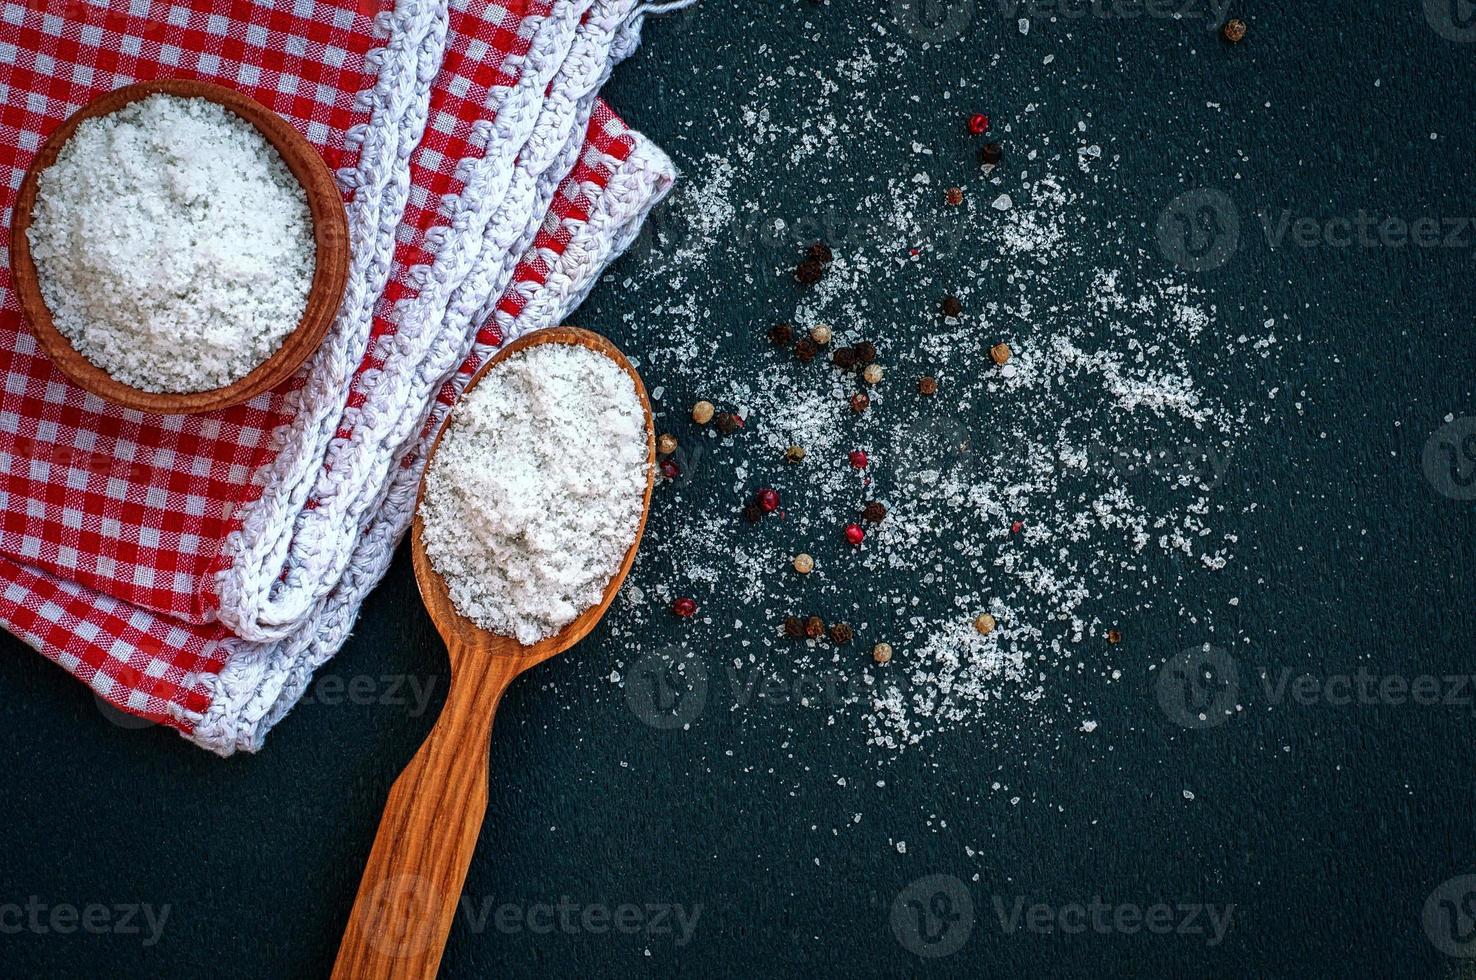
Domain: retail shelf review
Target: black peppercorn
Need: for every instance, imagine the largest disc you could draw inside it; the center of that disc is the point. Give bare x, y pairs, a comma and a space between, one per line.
951, 306
874, 512
844, 358
809, 272
794, 627
728, 423
991, 154
752, 512
865, 352
820, 252
806, 349
859, 402
781, 334
840, 634
814, 627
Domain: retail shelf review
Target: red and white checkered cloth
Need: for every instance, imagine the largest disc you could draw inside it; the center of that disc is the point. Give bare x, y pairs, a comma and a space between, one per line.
195, 570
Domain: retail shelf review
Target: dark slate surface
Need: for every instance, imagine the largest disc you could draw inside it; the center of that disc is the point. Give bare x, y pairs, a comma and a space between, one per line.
1328, 827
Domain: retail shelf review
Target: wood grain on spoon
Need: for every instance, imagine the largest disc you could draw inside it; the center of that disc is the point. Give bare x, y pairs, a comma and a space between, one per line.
412, 884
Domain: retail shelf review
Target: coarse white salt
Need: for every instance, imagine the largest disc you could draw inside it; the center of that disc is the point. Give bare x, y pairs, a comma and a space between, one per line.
536, 490
173, 246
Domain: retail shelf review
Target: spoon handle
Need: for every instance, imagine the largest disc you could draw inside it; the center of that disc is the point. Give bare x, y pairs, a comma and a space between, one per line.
412, 884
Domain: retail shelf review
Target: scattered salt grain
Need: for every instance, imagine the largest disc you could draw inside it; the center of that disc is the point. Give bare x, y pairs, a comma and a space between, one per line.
1117, 357
536, 490
173, 246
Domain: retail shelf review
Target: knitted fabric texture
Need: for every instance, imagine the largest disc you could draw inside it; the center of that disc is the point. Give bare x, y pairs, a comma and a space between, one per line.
196, 570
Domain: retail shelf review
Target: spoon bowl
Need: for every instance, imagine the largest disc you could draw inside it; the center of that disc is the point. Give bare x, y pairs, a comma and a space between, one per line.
471, 638
412, 884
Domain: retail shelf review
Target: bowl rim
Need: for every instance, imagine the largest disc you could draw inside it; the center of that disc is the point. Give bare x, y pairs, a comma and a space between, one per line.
330, 235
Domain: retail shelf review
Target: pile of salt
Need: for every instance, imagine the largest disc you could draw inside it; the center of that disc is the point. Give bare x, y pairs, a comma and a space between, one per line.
173, 246
536, 490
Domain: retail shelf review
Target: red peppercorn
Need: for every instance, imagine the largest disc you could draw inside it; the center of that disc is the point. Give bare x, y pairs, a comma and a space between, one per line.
978, 124
684, 607
809, 272
768, 499
1017, 527
854, 534
670, 470
858, 459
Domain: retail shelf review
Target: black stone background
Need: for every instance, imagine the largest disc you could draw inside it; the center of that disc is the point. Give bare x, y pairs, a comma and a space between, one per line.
1327, 827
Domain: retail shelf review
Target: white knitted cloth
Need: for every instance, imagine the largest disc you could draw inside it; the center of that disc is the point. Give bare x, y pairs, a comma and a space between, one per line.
299, 573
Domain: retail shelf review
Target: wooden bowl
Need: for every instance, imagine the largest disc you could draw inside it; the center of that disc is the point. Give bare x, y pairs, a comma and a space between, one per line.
330, 232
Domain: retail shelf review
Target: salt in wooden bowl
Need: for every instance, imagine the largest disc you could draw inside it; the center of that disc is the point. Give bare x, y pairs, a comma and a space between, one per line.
330, 234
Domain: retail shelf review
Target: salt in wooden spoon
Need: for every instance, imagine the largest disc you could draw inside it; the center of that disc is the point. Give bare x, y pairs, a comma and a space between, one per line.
412, 885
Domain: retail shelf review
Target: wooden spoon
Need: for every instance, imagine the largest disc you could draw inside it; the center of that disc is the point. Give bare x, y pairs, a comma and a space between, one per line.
412, 886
